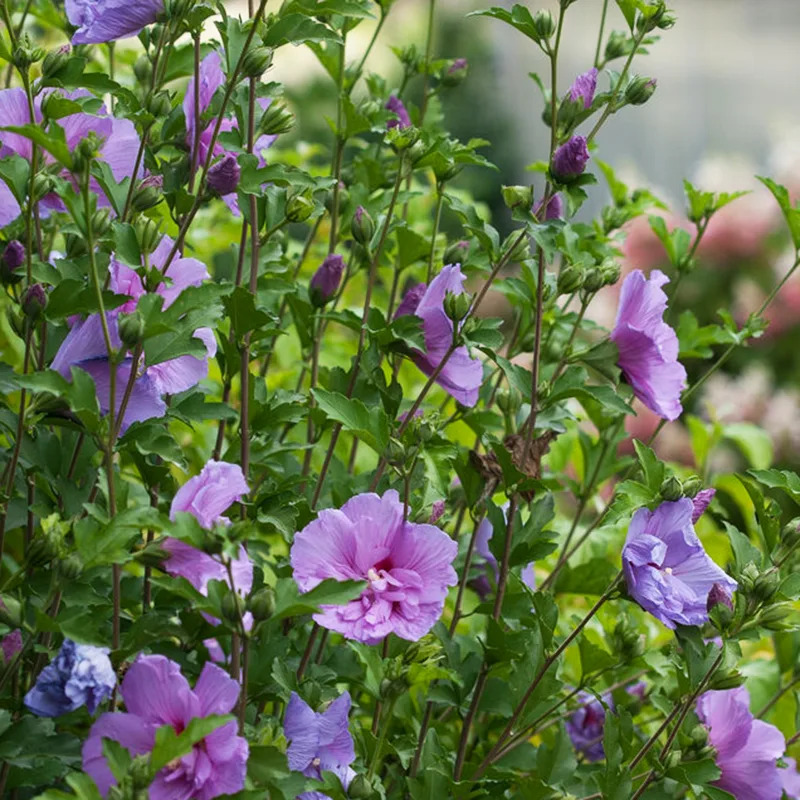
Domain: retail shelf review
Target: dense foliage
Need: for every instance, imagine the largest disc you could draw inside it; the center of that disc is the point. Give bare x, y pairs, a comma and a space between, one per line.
284, 513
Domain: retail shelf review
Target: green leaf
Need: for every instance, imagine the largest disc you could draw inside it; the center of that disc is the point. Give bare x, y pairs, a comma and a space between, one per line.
54, 143
15, 171
370, 425
652, 466
170, 745
126, 244
289, 602
519, 17
744, 552
790, 213
754, 442
298, 29
787, 482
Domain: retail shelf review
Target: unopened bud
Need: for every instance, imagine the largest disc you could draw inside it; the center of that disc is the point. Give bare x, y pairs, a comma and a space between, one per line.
691, 486
455, 73
718, 596
766, 585
148, 194
456, 306
776, 618
140, 772
671, 489
437, 511
362, 227
43, 184
276, 119
159, 104
570, 279
70, 567
592, 280
131, 329
616, 46
55, 61
326, 280
34, 301
143, 69
10, 262
521, 249
147, 234
726, 679
26, 53
610, 271
640, 90
514, 196
223, 178
262, 604
256, 61
361, 789
299, 208
544, 24
457, 252
232, 607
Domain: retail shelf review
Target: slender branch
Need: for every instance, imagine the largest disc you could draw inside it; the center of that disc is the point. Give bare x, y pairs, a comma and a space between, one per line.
597, 62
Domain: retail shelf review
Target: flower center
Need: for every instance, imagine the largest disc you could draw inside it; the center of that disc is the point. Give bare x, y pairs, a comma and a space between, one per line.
668, 570
372, 575
316, 762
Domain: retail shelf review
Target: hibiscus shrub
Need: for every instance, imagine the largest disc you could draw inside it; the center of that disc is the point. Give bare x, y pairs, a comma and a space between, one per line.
284, 513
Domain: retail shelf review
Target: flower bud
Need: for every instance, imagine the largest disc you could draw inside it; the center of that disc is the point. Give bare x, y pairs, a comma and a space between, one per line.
143, 69
341, 197
749, 576
276, 119
148, 193
159, 104
49, 104
672, 759
691, 486
765, 585
570, 159
326, 280
299, 207
223, 178
699, 735
616, 46
554, 210
592, 280
10, 262
718, 596
457, 252
55, 61
455, 73
544, 24
790, 535
26, 53
514, 196
671, 489
262, 604
43, 184
726, 679
401, 118
457, 306
232, 607
69, 568
147, 234
140, 772
640, 90
570, 279
776, 618
89, 147
521, 249
34, 301
362, 227
361, 789
610, 271
583, 88
437, 510
131, 329
256, 61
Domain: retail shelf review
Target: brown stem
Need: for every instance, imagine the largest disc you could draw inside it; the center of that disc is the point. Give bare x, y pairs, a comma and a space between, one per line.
306, 657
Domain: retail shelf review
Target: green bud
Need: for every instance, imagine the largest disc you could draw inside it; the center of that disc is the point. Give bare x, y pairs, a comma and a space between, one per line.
26, 53
400, 139
49, 104
55, 61
570, 279
614, 218
455, 72
610, 271
143, 69
360, 788
544, 24
456, 253
299, 207
89, 147
159, 104
776, 618
362, 227
790, 535
43, 184
508, 402
691, 486
640, 90
514, 196
699, 735
70, 567
147, 234
148, 194
671, 489
262, 604
592, 280
396, 452
749, 576
417, 151
42, 550
766, 585
726, 679
256, 62
456, 306
617, 45
131, 329
11, 612
673, 758
101, 221
140, 772
342, 197
521, 249
232, 607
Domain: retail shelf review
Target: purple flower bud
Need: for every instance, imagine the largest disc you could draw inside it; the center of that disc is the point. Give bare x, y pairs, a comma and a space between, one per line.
224, 176
326, 280
459, 64
152, 182
554, 210
395, 105
410, 301
12, 259
717, 595
570, 159
437, 509
583, 88
701, 502
34, 301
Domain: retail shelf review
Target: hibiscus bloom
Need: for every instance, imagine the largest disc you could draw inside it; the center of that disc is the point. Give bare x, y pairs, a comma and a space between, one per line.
108, 20
407, 566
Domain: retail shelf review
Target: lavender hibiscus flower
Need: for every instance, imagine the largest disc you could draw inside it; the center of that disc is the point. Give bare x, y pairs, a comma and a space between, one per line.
85, 347
583, 88
80, 675
747, 749
320, 742
648, 347
666, 568
120, 143
212, 78
461, 375
155, 694
107, 20
408, 567
585, 726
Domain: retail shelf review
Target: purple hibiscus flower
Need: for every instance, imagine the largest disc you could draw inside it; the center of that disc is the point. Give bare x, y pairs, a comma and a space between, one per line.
570, 159
583, 88
107, 20
402, 120
747, 749
408, 567
206, 496
155, 694
790, 778
648, 347
554, 210
585, 726
325, 281
80, 675
120, 143
461, 375
84, 346
320, 742
481, 584
666, 569
700, 502
211, 78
